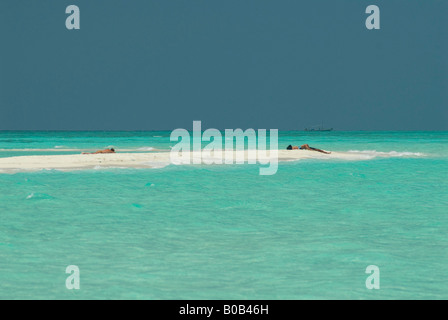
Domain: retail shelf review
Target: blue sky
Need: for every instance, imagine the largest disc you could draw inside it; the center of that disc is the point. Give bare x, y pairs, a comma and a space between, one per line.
286, 64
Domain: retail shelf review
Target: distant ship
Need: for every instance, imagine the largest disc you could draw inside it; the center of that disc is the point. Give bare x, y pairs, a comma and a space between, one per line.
318, 128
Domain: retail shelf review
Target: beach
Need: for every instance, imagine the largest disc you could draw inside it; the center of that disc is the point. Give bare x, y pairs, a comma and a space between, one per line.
160, 159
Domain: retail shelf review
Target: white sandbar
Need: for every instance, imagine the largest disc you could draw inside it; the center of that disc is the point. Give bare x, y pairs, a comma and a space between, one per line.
156, 159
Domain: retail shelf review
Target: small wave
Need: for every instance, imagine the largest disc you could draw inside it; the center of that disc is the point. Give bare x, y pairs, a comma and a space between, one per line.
390, 154
39, 196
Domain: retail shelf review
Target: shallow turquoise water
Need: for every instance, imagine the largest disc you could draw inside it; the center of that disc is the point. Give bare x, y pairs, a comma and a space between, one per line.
225, 232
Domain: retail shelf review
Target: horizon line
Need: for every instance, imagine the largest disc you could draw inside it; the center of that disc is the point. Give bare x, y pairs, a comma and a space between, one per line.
155, 130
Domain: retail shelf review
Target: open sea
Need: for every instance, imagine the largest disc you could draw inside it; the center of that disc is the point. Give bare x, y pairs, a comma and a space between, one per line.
224, 231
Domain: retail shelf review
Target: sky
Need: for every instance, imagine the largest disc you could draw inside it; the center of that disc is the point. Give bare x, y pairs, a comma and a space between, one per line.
272, 64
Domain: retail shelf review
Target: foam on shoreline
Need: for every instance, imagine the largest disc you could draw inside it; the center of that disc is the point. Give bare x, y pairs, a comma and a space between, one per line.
162, 159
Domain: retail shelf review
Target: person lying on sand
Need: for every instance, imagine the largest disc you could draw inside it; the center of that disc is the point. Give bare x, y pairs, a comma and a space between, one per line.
112, 150
306, 147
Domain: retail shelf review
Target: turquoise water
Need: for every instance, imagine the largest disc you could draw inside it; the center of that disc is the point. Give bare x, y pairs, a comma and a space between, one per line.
225, 232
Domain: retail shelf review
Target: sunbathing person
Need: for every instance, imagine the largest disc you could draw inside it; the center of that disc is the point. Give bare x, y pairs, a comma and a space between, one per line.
306, 147
112, 150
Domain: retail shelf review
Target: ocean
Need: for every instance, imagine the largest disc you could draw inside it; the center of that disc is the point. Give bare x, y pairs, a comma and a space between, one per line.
224, 231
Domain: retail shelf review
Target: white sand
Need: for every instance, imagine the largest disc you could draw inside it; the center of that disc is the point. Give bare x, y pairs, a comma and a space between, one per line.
153, 160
